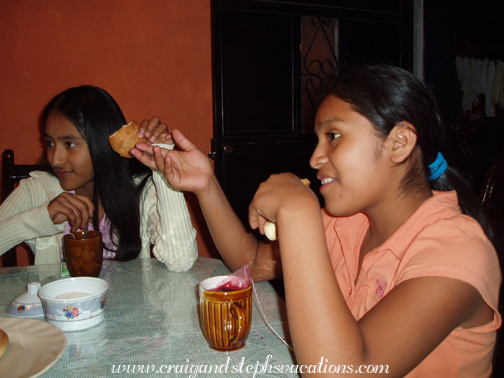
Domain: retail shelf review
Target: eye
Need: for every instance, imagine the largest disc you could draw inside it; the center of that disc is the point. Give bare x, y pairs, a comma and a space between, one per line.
71, 144
49, 143
332, 136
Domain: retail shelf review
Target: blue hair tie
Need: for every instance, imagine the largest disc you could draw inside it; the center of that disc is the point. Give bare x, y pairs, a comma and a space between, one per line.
438, 167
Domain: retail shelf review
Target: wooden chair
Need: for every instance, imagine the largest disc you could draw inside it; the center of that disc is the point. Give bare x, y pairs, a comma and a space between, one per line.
11, 175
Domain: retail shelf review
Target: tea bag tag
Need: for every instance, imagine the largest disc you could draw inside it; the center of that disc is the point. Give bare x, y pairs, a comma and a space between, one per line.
64, 270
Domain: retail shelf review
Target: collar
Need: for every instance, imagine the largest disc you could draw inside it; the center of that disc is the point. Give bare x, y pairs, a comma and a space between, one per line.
442, 205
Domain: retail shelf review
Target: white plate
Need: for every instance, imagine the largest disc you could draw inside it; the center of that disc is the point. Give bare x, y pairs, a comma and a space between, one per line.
34, 346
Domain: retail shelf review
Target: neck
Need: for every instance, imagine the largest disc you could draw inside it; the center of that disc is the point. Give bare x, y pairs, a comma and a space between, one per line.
86, 190
384, 221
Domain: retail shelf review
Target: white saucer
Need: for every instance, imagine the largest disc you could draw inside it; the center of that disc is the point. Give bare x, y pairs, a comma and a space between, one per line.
34, 346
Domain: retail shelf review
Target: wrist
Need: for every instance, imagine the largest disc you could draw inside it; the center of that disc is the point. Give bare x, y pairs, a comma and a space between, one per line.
209, 189
301, 209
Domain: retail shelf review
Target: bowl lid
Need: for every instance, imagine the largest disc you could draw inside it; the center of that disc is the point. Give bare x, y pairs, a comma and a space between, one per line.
27, 304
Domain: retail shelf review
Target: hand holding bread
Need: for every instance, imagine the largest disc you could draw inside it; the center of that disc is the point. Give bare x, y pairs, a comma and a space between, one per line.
124, 139
153, 131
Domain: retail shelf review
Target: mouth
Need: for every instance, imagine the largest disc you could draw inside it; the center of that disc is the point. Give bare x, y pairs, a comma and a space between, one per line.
62, 174
327, 180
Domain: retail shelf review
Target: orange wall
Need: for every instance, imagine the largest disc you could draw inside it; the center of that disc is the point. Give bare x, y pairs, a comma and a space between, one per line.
152, 56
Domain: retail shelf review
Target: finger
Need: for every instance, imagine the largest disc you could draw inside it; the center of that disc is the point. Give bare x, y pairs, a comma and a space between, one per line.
57, 211
171, 171
253, 216
151, 126
143, 152
262, 222
169, 138
72, 213
142, 128
169, 167
83, 204
160, 129
89, 205
257, 221
72, 208
182, 142
83, 208
159, 159
143, 148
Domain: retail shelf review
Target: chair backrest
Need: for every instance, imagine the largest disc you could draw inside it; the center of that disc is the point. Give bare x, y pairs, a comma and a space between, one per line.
12, 174
492, 192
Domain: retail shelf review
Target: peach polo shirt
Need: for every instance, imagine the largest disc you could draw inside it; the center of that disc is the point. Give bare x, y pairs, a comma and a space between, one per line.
437, 240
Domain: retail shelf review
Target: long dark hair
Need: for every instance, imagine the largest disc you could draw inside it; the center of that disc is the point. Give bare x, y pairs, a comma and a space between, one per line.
96, 115
387, 95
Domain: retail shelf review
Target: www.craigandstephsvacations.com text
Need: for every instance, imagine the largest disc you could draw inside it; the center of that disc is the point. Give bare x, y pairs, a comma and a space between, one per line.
253, 370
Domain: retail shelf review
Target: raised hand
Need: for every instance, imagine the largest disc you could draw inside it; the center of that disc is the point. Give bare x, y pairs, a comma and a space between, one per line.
186, 167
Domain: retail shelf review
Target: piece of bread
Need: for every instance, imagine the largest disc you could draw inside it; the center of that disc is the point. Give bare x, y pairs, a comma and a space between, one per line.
306, 182
270, 228
4, 342
124, 139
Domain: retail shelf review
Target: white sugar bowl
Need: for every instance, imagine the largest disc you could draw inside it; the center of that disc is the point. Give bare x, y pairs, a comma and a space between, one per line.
74, 304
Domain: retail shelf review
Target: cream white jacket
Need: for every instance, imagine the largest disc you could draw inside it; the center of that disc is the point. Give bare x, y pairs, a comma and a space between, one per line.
165, 222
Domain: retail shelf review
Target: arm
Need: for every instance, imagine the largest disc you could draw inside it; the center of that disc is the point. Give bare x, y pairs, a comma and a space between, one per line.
400, 331
188, 169
169, 224
31, 212
24, 215
24, 225
166, 223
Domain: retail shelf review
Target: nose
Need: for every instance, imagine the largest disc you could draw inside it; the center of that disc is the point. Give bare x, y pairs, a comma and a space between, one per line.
318, 157
56, 156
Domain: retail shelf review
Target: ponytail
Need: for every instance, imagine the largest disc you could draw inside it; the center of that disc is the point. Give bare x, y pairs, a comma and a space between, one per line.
468, 200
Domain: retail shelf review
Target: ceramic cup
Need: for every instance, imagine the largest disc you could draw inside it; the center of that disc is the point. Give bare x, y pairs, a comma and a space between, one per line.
84, 257
225, 317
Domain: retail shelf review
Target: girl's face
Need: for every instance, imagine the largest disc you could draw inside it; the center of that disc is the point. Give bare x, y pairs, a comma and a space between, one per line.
350, 160
68, 154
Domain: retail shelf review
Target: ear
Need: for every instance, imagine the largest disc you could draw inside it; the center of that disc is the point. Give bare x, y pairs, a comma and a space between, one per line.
402, 141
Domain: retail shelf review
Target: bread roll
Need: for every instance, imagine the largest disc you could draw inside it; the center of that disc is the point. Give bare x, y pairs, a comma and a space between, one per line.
270, 228
124, 139
4, 342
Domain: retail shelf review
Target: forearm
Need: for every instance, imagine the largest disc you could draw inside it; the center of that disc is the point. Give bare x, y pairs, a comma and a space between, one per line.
236, 245
25, 226
174, 235
320, 322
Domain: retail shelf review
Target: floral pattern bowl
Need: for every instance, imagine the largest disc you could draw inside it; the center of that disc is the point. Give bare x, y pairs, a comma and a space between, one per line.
74, 304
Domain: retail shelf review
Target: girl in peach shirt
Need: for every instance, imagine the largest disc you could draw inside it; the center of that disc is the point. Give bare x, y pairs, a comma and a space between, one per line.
397, 270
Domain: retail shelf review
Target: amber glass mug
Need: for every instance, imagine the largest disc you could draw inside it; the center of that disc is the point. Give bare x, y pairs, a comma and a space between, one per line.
225, 316
84, 256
